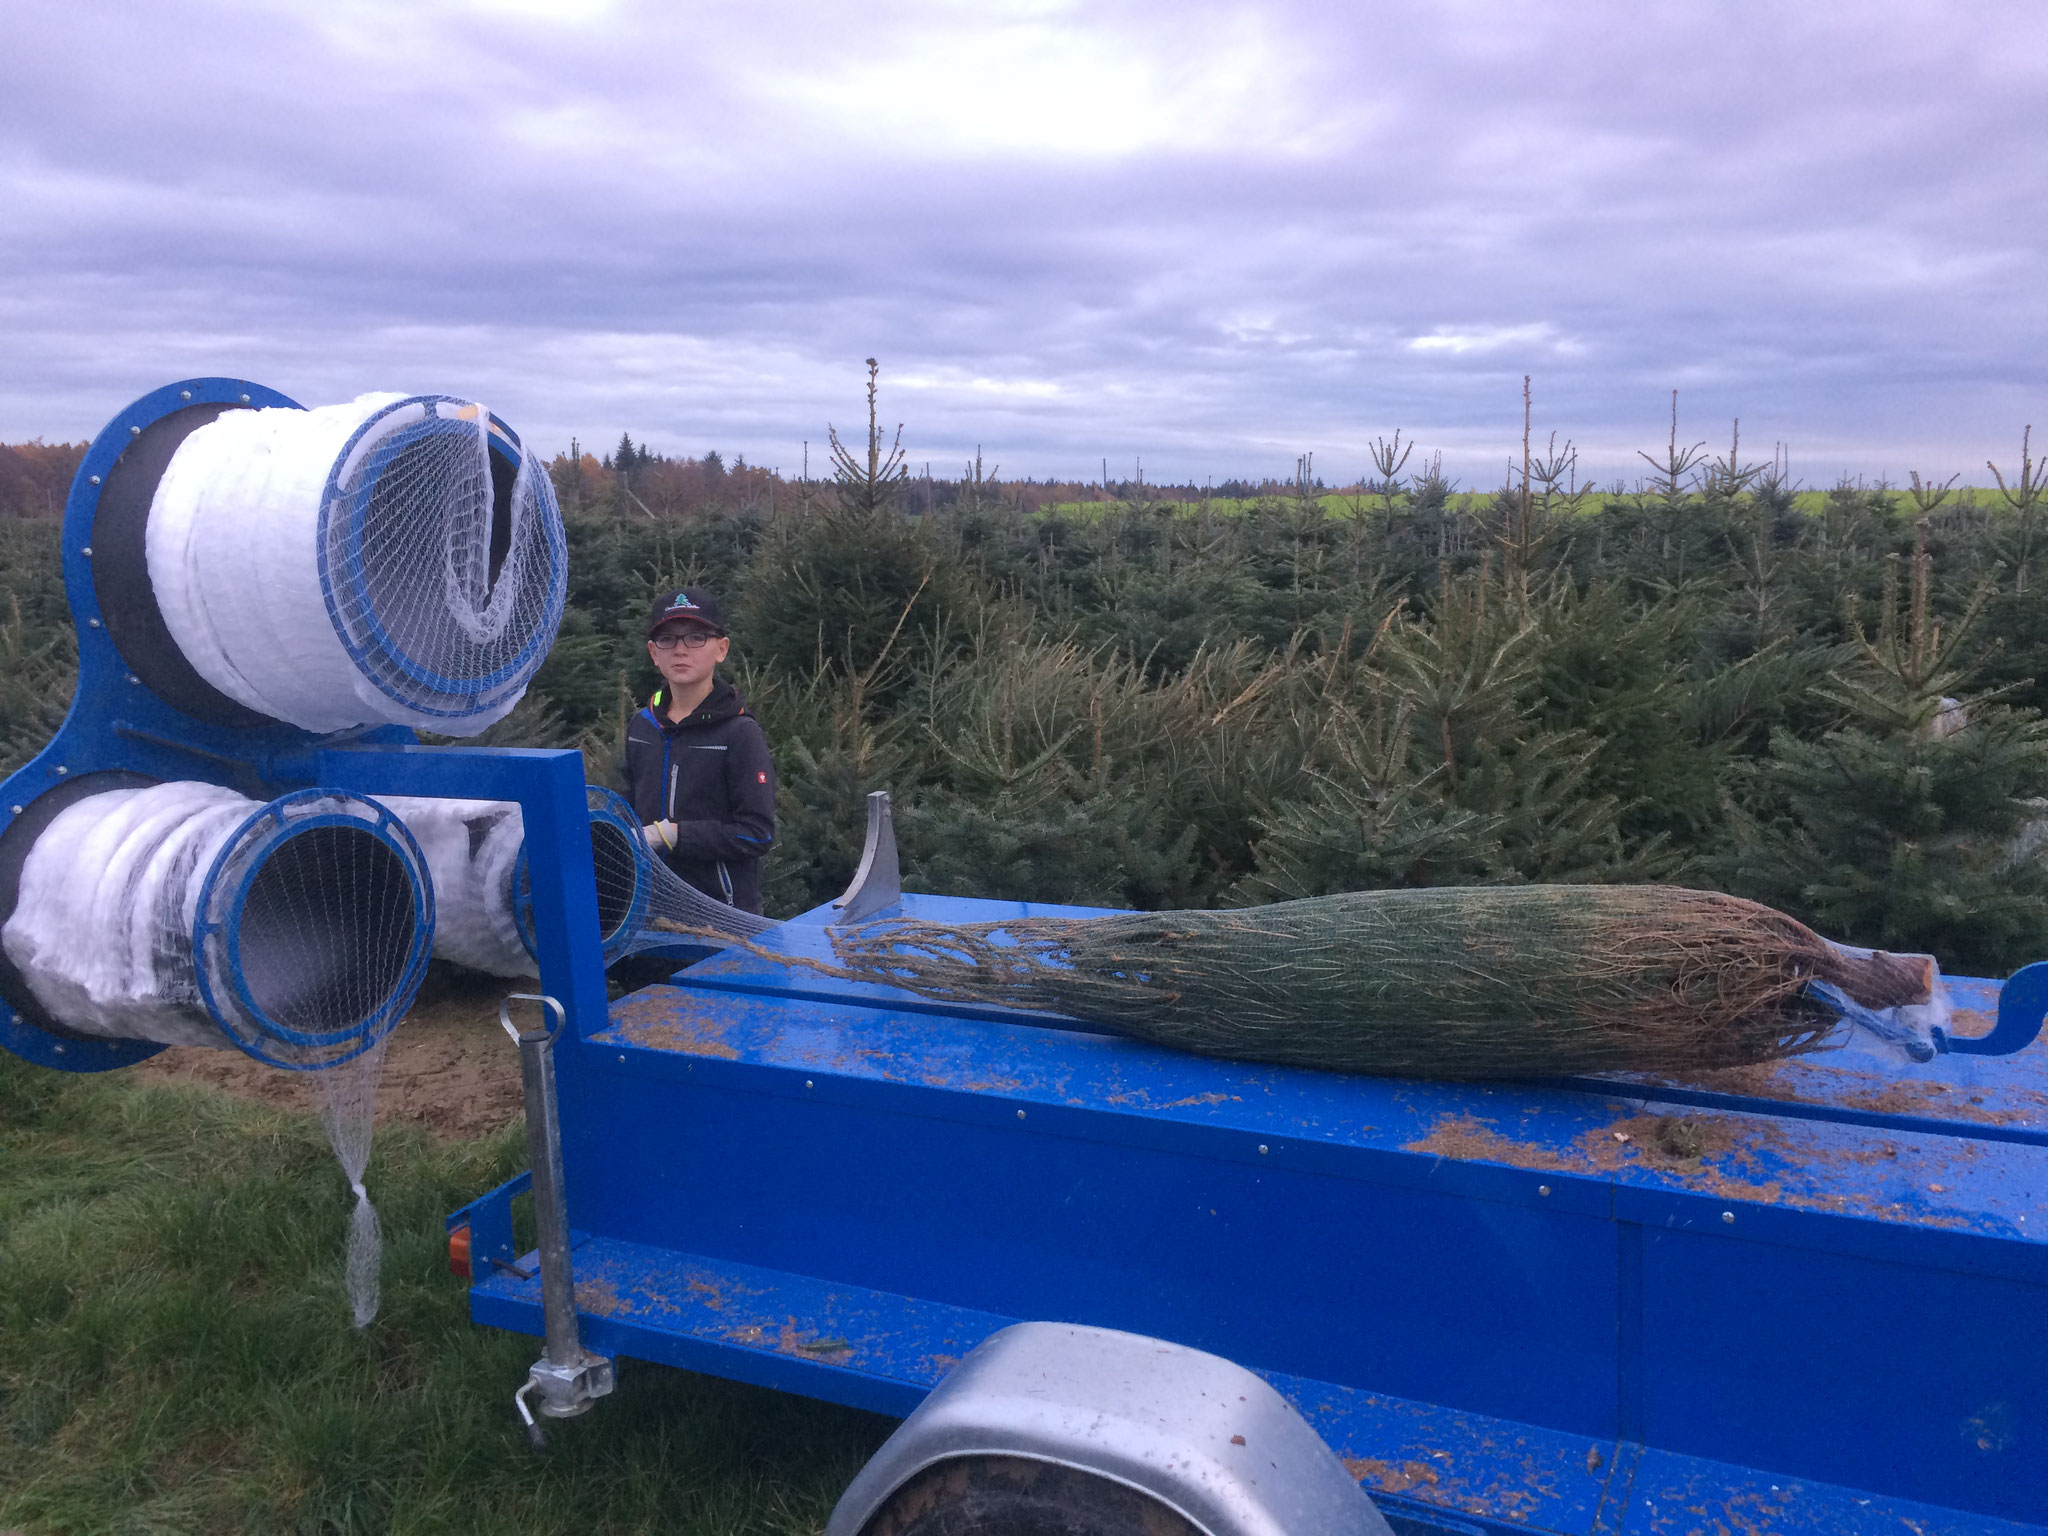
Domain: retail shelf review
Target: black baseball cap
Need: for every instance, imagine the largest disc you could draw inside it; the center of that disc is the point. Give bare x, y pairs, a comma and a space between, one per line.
695, 604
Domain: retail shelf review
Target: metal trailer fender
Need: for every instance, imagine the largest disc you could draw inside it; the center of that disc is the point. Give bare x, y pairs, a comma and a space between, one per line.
1192, 1431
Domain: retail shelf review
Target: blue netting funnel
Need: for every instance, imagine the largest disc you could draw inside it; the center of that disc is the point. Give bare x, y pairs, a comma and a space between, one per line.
626, 876
475, 852
313, 928
641, 903
476, 856
447, 614
187, 914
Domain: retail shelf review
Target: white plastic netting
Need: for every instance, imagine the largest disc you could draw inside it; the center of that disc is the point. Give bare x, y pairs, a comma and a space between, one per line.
102, 929
471, 848
395, 560
476, 854
348, 1113
676, 911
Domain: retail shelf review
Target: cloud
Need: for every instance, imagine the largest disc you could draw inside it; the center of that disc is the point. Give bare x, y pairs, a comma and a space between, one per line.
1538, 337
1214, 235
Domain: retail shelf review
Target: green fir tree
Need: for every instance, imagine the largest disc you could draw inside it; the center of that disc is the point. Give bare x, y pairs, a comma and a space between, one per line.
1910, 825
847, 591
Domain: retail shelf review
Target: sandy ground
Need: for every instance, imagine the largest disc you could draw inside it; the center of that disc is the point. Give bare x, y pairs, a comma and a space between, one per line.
447, 1067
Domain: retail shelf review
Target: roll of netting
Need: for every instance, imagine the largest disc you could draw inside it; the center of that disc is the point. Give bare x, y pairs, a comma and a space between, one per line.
476, 853
297, 931
471, 848
396, 560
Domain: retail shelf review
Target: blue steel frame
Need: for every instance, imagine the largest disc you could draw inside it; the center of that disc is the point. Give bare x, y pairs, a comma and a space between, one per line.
116, 722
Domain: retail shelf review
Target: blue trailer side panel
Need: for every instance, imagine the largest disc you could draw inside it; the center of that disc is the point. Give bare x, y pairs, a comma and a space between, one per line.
925, 1192
1907, 1370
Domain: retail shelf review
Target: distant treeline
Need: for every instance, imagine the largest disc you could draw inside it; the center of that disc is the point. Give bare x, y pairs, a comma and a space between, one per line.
632, 480
35, 477
1827, 701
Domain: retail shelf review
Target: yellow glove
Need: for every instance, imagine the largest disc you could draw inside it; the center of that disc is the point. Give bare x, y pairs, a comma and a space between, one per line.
660, 835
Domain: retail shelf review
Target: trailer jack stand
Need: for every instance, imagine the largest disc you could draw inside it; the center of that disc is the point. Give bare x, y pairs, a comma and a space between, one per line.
564, 1391
567, 1378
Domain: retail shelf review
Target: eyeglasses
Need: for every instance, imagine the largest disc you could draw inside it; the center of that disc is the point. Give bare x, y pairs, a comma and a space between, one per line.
689, 640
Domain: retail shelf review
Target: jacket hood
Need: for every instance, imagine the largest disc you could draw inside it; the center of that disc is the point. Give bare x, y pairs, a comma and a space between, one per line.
723, 702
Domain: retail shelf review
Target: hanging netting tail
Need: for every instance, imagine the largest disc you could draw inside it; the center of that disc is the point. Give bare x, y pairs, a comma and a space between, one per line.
349, 1115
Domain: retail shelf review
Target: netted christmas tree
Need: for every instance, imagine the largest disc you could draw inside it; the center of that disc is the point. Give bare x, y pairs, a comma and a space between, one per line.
1450, 982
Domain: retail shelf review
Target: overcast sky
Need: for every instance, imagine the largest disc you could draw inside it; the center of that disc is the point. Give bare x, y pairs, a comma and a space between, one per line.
1214, 236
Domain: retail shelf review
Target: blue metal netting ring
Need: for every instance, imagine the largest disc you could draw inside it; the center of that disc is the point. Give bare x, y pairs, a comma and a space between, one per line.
608, 809
219, 962
345, 588
352, 590
387, 649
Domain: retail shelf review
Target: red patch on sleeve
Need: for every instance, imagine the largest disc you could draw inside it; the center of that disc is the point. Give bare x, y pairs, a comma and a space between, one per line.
761, 777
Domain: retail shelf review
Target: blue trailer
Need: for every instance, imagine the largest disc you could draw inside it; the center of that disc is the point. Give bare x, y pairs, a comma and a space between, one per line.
1510, 1306
1113, 1287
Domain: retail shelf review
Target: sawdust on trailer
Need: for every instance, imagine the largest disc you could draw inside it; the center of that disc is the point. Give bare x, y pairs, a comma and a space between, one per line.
448, 1067
1389, 1478
667, 1019
1728, 1156
1510, 1478
599, 1297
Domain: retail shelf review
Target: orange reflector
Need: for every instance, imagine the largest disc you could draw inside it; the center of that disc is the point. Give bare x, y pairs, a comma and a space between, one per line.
458, 1253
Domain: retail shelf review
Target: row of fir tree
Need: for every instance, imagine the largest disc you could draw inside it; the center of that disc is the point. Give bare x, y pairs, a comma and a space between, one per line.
1150, 703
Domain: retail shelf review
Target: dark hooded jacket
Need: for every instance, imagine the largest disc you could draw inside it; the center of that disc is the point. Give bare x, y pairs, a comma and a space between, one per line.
710, 774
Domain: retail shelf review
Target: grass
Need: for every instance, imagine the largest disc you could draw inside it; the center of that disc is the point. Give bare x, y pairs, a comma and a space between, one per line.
175, 1353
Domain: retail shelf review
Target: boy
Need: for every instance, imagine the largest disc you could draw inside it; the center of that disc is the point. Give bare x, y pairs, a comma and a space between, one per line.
697, 768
